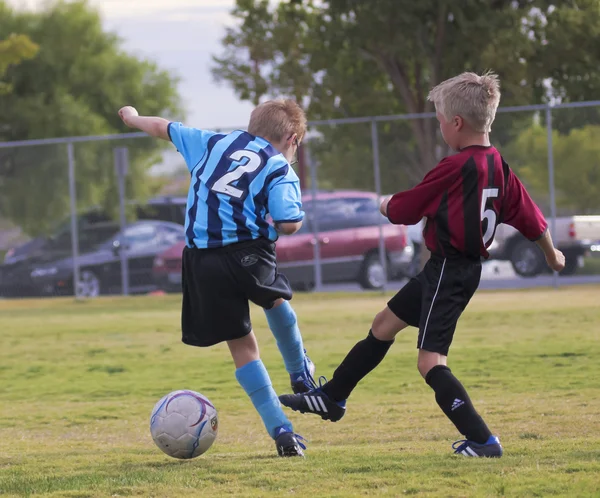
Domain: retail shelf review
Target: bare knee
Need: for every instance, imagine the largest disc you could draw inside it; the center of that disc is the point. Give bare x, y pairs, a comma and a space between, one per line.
386, 325
427, 360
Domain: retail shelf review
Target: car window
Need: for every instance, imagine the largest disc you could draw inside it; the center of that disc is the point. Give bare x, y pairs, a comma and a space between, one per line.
140, 236
92, 237
170, 235
348, 212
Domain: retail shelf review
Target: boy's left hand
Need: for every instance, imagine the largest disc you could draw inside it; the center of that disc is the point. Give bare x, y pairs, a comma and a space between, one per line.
383, 205
126, 113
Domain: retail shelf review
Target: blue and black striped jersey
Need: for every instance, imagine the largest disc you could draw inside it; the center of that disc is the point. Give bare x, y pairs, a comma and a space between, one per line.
237, 179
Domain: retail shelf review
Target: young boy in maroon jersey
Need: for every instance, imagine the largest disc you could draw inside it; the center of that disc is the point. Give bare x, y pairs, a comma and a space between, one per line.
463, 198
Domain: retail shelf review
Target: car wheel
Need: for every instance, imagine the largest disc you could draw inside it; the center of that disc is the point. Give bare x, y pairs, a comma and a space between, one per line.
527, 260
372, 274
88, 285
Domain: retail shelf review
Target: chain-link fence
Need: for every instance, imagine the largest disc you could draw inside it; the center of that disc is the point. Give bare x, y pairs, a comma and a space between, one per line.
128, 224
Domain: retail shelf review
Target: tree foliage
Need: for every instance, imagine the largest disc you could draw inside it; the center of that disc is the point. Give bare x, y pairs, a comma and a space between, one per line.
73, 87
577, 166
349, 58
12, 51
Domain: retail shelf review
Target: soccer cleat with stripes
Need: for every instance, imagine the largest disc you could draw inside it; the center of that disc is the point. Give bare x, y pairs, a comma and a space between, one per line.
315, 401
289, 444
304, 382
490, 449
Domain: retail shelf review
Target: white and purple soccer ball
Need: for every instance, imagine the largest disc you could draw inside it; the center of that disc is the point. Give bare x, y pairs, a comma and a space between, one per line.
184, 424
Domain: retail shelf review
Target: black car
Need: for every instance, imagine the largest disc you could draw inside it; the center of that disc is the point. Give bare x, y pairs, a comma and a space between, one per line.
170, 209
51, 272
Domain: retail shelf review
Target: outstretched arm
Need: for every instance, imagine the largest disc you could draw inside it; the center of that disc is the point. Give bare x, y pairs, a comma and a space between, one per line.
554, 257
524, 215
153, 126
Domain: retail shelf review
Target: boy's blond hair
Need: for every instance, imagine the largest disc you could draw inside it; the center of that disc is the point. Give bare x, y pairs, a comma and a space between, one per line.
475, 98
277, 120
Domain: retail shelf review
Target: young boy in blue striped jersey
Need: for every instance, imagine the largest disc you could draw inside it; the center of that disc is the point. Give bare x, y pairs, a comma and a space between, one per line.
237, 179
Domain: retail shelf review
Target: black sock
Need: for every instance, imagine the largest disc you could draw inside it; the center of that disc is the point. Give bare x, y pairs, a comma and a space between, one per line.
361, 359
456, 404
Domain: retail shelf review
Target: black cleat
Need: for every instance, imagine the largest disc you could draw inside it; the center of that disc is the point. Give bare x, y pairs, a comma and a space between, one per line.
490, 449
315, 401
288, 445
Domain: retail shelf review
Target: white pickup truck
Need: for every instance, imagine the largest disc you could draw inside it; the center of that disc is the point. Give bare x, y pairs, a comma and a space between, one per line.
574, 236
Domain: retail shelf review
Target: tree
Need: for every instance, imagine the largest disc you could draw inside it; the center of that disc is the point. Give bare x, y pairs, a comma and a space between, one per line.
73, 87
348, 58
577, 166
12, 51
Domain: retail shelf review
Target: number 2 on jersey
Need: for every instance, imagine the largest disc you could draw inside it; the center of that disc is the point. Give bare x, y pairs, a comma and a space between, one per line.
224, 184
488, 214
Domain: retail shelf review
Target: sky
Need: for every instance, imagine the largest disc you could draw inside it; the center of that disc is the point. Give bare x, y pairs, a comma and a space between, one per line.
181, 36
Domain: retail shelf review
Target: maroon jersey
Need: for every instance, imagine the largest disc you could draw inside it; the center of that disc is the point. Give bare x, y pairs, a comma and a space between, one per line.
464, 198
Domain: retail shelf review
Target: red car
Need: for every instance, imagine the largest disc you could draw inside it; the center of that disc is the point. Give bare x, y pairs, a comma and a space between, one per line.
345, 224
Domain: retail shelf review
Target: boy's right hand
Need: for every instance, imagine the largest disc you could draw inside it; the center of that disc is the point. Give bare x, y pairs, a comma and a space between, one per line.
127, 112
556, 261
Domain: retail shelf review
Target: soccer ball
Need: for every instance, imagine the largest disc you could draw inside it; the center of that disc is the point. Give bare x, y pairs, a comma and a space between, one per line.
184, 424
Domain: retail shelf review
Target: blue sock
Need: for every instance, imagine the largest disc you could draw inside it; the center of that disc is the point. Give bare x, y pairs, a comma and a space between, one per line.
282, 322
254, 378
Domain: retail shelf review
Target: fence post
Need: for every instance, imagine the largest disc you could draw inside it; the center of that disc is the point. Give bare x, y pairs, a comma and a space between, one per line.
73, 209
551, 182
121, 168
314, 221
377, 173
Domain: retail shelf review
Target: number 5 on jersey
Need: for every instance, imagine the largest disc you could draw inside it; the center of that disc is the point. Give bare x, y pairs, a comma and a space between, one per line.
224, 184
488, 214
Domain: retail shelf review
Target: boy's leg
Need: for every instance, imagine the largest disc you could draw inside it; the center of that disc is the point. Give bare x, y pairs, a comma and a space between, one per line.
452, 397
254, 379
284, 326
329, 400
448, 290
215, 309
364, 356
266, 287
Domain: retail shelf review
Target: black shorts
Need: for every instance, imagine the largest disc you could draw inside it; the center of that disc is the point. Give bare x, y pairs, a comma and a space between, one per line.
217, 285
435, 299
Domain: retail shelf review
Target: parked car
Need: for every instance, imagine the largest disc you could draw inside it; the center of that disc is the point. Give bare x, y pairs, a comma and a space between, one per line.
51, 272
345, 225
574, 236
170, 209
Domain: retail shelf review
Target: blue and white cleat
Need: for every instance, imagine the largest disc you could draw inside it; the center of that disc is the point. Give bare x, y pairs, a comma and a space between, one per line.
490, 449
305, 381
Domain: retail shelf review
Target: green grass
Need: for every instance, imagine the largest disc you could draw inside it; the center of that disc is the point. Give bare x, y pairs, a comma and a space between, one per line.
78, 381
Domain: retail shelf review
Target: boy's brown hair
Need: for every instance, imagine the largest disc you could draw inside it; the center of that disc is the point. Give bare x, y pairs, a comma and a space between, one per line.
475, 98
277, 120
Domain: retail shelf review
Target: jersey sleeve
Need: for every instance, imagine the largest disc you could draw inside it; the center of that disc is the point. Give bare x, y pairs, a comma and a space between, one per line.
190, 142
410, 206
285, 199
520, 211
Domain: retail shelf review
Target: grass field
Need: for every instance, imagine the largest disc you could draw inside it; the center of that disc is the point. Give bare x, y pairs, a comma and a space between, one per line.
78, 381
